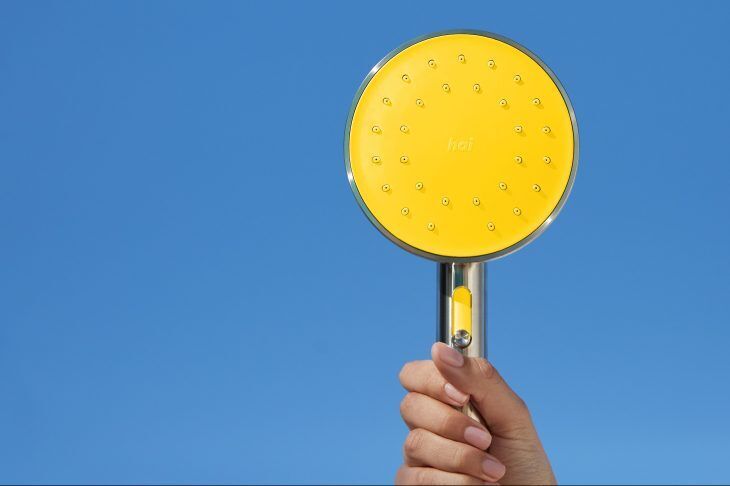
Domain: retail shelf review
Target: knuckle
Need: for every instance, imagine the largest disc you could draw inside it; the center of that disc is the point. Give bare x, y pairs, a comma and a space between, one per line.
404, 373
407, 404
413, 442
422, 476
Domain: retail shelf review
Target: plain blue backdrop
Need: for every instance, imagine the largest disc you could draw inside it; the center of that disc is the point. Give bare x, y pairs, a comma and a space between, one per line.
189, 292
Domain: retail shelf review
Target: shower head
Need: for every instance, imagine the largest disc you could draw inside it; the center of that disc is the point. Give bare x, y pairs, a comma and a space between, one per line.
461, 146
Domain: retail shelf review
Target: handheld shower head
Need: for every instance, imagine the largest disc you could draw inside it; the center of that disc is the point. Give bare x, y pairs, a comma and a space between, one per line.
461, 147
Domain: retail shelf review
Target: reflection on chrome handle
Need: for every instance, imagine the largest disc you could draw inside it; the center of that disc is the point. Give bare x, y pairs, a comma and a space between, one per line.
470, 411
473, 277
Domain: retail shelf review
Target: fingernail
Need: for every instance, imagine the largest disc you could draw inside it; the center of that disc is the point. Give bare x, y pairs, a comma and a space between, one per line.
450, 356
454, 394
477, 437
493, 469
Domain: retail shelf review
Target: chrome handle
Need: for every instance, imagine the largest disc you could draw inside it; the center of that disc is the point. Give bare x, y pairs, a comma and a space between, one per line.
469, 338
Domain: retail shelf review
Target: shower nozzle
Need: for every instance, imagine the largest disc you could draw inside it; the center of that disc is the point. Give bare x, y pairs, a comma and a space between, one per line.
473, 136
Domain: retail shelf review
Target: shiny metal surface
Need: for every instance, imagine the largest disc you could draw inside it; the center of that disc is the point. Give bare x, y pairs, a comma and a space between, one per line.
474, 277
461, 339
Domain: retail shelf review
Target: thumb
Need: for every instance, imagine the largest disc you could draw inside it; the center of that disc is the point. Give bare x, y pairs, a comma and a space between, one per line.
505, 413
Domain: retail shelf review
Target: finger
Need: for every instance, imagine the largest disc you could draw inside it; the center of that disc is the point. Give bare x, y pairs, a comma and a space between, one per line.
422, 412
423, 377
427, 475
504, 412
424, 448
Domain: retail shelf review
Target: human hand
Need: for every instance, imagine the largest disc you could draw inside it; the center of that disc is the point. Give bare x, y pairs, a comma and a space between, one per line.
445, 446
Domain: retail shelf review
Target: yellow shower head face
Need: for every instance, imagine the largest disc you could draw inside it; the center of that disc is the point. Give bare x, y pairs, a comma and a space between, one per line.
461, 146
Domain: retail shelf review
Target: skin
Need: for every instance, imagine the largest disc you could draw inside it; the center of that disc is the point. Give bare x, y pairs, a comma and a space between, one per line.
445, 446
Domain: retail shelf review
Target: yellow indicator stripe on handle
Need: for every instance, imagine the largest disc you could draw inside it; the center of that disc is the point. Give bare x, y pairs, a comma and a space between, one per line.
461, 310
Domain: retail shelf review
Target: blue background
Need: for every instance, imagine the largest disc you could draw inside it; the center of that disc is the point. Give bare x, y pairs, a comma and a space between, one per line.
189, 292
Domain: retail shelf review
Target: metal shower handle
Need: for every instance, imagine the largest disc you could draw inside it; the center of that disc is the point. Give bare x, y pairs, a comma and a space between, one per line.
462, 299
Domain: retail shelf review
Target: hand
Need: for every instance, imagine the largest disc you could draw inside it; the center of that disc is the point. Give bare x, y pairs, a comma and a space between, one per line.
445, 446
